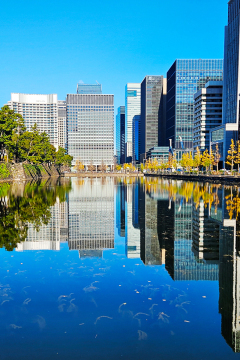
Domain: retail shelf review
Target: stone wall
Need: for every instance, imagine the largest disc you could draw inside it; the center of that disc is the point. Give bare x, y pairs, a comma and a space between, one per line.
23, 171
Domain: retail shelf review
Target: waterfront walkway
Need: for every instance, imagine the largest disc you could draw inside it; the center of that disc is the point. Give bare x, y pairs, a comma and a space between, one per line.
201, 177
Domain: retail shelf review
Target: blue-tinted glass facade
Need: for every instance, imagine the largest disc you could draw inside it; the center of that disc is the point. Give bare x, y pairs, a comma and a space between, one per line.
120, 135
135, 142
184, 79
231, 65
89, 88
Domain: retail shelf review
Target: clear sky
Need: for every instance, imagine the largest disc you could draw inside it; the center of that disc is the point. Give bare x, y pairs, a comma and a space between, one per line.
48, 46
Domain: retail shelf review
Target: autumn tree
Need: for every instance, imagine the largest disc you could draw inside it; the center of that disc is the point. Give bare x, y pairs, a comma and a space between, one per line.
206, 160
79, 167
91, 167
230, 160
217, 157
237, 157
197, 159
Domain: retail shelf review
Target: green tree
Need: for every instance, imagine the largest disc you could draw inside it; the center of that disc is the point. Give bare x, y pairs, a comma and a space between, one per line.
11, 128
62, 159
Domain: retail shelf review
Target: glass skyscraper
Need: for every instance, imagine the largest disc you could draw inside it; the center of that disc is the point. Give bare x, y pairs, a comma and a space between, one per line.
184, 79
120, 135
152, 125
90, 123
132, 108
89, 88
135, 139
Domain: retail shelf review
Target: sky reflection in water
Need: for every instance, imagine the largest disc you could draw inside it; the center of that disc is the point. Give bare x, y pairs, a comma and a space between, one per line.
134, 270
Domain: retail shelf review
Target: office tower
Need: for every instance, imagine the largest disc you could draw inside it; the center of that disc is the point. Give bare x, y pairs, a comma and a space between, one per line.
90, 124
89, 89
132, 229
48, 237
62, 124
120, 135
135, 139
91, 215
207, 114
38, 109
184, 79
153, 111
132, 108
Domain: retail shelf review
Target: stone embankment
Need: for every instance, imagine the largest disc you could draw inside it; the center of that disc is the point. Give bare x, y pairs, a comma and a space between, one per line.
22, 171
222, 179
99, 174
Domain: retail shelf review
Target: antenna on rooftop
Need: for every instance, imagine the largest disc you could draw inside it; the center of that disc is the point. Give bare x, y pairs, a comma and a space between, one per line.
97, 82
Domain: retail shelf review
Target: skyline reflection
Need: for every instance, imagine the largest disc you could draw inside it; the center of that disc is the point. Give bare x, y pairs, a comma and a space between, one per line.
190, 229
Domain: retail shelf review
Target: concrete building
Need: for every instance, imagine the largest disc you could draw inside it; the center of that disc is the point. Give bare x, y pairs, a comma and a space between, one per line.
120, 135
62, 124
184, 79
38, 109
207, 114
132, 108
153, 114
90, 124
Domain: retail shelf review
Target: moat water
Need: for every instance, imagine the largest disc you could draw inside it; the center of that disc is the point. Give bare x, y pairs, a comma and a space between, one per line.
119, 269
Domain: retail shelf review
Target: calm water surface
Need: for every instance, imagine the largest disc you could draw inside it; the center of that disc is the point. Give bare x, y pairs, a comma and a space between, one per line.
119, 269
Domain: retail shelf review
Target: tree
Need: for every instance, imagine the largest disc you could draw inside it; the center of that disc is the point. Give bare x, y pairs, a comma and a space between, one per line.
79, 167
11, 127
118, 167
217, 157
103, 167
206, 160
231, 155
63, 159
237, 158
91, 167
197, 159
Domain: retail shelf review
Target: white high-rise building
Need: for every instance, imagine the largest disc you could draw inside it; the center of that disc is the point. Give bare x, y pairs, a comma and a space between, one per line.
90, 124
132, 108
38, 109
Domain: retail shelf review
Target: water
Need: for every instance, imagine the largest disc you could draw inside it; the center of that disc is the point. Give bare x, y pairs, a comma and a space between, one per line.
119, 269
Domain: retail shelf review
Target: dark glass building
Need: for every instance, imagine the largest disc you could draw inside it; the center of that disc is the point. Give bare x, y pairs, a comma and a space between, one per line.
120, 135
184, 79
152, 125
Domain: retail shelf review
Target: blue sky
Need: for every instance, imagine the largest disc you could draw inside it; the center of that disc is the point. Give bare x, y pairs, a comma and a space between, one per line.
48, 46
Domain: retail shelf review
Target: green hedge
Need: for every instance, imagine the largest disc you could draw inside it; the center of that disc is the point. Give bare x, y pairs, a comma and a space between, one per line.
4, 172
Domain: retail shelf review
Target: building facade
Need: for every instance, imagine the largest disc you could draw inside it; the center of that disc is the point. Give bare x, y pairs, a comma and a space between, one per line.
62, 124
120, 135
90, 124
89, 88
184, 79
132, 108
153, 109
207, 114
135, 139
38, 109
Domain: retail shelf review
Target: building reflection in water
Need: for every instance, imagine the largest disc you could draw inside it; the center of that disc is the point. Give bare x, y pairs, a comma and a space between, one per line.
193, 229
91, 216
